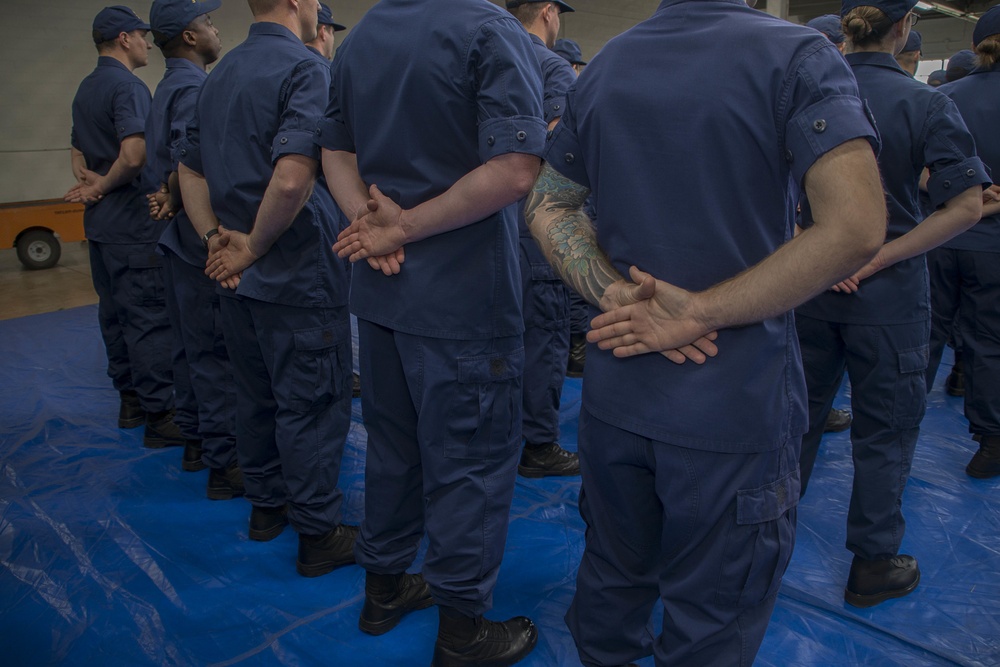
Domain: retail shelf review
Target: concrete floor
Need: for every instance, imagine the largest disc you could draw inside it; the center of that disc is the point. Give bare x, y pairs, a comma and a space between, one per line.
66, 285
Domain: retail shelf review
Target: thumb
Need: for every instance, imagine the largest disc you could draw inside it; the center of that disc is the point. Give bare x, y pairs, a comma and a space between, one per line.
645, 283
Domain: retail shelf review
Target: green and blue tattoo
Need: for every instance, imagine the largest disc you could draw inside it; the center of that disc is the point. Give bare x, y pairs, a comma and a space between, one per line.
566, 235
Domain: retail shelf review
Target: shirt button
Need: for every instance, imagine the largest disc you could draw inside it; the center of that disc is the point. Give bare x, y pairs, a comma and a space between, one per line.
497, 367
522, 135
490, 141
820, 125
184, 151
570, 158
970, 173
284, 140
556, 107
946, 184
788, 155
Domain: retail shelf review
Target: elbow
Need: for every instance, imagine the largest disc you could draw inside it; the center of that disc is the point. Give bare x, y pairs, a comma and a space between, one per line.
134, 162
523, 180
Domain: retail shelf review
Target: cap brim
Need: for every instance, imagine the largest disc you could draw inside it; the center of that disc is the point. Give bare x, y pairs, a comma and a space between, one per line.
338, 28
143, 26
563, 7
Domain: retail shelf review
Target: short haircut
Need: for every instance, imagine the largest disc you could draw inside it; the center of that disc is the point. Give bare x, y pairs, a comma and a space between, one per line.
529, 12
258, 7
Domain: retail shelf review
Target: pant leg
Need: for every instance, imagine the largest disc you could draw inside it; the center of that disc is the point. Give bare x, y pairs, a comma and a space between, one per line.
617, 581
185, 403
823, 365
579, 313
729, 531
211, 374
137, 290
980, 334
887, 366
468, 397
546, 350
394, 496
307, 353
107, 318
256, 449
945, 281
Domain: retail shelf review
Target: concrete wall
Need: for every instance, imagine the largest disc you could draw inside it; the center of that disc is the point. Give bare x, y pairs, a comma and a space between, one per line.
48, 51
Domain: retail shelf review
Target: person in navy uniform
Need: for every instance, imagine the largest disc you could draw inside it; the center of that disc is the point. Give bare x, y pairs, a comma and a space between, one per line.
829, 25
546, 299
570, 51
326, 40
969, 266
909, 58
690, 472
108, 155
203, 379
936, 78
877, 323
960, 65
431, 152
248, 166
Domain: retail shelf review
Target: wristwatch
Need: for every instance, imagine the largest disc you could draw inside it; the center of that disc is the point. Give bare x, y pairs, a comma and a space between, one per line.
209, 234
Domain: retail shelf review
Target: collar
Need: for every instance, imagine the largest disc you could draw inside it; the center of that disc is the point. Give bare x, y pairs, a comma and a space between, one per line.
108, 61
536, 39
274, 29
875, 59
183, 63
669, 3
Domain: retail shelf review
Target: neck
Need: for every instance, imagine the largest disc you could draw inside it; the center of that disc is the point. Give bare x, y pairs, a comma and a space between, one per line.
286, 19
539, 32
192, 57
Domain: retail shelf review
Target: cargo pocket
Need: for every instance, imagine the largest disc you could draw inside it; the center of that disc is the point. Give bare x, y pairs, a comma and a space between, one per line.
316, 377
910, 399
759, 544
486, 405
146, 280
548, 300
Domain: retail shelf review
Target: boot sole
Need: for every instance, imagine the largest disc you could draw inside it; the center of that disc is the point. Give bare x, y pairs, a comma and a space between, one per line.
192, 466
865, 601
319, 569
160, 443
267, 534
377, 628
219, 493
978, 474
135, 422
538, 473
446, 658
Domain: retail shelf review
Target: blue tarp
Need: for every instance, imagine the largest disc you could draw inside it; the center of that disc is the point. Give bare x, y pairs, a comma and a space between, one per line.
110, 555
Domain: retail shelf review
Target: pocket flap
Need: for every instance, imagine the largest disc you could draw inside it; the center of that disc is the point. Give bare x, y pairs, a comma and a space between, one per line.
767, 503
491, 367
914, 360
320, 338
145, 260
543, 272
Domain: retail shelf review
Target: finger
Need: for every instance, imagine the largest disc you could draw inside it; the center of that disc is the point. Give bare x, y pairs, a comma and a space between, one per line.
631, 350
400, 255
608, 319
706, 347
693, 353
675, 356
373, 262
386, 266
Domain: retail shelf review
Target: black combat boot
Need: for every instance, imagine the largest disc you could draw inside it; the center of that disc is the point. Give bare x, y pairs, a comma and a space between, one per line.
463, 641
388, 597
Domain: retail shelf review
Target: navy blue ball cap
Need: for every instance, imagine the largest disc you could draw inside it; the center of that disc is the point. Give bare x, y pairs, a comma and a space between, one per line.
829, 25
570, 51
988, 24
936, 78
964, 60
113, 21
170, 18
894, 9
326, 18
563, 7
914, 42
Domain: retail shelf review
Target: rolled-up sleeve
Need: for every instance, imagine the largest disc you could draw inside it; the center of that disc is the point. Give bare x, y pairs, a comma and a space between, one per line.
950, 155
559, 77
305, 100
131, 104
824, 111
182, 115
562, 150
508, 90
188, 149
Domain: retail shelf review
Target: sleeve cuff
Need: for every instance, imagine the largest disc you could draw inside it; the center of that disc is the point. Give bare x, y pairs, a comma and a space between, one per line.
562, 153
294, 142
554, 108
519, 134
822, 127
190, 157
126, 127
333, 135
955, 179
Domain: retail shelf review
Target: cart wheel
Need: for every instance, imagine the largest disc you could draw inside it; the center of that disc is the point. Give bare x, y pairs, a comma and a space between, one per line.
38, 249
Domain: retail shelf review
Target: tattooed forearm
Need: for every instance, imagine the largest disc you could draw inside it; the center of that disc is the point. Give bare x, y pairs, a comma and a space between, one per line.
566, 235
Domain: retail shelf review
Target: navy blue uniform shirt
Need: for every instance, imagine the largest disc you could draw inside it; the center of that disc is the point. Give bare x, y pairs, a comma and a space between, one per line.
695, 177
920, 127
463, 89
172, 111
978, 99
261, 103
110, 105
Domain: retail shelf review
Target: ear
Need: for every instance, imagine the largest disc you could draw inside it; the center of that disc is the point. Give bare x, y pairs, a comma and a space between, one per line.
123, 40
189, 38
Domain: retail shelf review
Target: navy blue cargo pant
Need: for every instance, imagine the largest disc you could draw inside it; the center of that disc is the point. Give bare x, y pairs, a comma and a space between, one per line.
709, 534
132, 313
293, 405
443, 419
